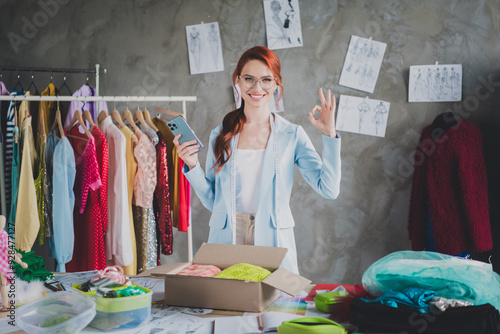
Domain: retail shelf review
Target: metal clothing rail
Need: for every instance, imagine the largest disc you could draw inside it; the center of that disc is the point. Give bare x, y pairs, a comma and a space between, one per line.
57, 70
182, 99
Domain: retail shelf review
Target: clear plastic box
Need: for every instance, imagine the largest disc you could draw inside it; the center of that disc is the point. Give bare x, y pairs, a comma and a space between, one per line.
120, 313
57, 313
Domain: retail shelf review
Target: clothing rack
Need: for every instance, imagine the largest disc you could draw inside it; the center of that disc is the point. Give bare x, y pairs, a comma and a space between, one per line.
57, 70
182, 99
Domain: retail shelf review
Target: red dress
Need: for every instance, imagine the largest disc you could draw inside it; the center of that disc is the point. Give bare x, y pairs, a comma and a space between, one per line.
102, 159
88, 251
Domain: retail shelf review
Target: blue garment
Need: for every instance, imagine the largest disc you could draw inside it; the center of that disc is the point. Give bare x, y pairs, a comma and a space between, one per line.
9, 143
294, 148
14, 185
414, 298
63, 178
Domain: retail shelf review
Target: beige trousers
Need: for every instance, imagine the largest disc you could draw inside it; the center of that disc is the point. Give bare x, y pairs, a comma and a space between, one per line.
245, 225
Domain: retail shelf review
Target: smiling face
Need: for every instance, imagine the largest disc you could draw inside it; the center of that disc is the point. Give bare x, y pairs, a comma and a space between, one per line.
256, 97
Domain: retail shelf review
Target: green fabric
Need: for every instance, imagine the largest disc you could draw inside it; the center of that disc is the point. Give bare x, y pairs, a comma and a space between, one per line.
244, 272
36, 268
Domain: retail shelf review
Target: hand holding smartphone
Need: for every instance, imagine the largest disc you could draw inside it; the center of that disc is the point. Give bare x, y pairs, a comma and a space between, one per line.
178, 125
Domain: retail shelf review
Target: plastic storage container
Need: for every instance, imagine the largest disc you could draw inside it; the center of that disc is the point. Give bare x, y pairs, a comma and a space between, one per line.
58, 313
329, 302
120, 313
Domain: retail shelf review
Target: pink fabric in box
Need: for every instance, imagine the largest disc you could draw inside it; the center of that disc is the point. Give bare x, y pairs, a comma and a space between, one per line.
200, 270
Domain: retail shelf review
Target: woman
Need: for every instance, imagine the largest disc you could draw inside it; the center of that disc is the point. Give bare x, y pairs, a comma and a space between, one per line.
251, 158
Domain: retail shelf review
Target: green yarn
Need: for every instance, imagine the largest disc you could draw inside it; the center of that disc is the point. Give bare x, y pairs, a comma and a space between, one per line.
244, 272
36, 268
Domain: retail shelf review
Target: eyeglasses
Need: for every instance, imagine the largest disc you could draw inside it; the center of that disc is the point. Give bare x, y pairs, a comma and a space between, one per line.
249, 82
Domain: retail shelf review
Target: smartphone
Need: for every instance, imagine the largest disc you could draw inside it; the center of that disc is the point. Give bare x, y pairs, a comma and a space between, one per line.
179, 125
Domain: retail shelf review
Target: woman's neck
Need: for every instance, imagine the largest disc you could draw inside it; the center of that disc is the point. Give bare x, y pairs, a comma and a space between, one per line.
256, 115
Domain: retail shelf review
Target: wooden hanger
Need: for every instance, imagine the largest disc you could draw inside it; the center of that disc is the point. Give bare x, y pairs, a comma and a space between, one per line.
58, 124
147, 117
138, 116
88, 117
102, 116
168, 112
115, 115
77, 117
127, 116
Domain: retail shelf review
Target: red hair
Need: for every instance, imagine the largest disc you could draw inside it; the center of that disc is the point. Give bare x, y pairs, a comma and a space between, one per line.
233, 122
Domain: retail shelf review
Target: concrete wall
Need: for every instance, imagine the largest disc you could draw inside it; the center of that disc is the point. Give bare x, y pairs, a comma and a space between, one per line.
142, 44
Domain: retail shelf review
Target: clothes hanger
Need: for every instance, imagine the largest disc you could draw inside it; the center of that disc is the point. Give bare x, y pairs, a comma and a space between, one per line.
147, 117
77, 117
127, 116
138, 116
168, 112
32, 84
102, 116
58, 123
19, 83
65, 85
88, 117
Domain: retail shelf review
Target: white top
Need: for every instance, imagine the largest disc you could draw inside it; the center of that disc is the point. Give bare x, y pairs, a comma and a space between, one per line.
118, 240
248, 174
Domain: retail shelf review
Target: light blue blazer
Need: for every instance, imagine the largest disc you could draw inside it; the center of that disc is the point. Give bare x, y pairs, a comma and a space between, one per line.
294, 148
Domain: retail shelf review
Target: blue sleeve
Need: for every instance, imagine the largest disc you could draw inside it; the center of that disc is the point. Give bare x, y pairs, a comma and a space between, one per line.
322, 175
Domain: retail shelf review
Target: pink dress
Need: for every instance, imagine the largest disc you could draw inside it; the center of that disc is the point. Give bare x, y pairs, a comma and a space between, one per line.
88, 252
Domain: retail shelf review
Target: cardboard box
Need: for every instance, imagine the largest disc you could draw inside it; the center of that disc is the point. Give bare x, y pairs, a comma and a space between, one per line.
228, 294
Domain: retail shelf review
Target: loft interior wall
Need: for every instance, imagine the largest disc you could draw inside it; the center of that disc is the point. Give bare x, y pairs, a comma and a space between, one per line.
142, 44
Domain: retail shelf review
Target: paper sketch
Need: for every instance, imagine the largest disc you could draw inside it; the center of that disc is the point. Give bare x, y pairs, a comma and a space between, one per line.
272, 103
205, 49
283, 26
362, 64
435, 83
362, 115
180, 324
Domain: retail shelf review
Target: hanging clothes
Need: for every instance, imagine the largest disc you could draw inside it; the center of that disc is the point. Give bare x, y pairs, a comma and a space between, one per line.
451, 183
9, 142
184, 200
93, 106
142, 205
27, 223
131, 171
61, 241
88, 252
47, 110
40, 188
14, 185
50, 147
176, 177
3, 179
102, 159
162, 198
118, 236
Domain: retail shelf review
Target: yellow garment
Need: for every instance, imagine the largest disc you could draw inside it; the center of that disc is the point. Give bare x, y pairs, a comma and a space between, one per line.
47, 111
244, 272
27, 223
131, 269
173, 169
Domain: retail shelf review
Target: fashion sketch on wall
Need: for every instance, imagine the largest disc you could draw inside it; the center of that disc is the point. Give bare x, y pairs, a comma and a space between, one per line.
362, 64
362, 115
283, 26
272, 103
204, 47
435, 83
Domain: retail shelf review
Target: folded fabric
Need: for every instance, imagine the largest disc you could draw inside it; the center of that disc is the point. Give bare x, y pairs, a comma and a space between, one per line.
203, 270
414, 298
244, 272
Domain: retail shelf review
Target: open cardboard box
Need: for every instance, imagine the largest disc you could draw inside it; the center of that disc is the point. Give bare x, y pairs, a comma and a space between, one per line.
228, 294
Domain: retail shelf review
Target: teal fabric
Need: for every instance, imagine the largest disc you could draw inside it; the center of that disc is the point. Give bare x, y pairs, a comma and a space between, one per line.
450, 277
15, 185
414, 298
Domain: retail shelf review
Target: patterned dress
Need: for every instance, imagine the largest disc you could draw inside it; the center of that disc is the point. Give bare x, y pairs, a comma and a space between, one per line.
88, 252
